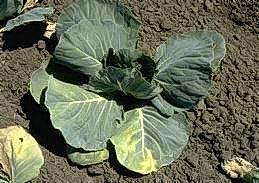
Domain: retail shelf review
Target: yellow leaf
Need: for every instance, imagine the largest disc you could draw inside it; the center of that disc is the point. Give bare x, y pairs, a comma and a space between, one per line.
237, 167
20, 155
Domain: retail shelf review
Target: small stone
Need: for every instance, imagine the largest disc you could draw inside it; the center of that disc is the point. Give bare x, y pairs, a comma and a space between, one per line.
165, 25
41, 44
191, 116
222, 103
95, 170
208, 5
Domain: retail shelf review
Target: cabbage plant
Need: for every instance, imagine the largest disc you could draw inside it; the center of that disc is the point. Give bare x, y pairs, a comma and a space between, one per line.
132, 99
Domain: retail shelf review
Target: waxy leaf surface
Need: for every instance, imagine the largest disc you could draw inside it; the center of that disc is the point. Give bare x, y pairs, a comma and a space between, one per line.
98, 10
39, 81
184, 68
84, 45
85, 119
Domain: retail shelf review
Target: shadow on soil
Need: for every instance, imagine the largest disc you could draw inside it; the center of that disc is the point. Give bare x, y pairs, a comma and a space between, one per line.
41, 128
28, 35
23, 36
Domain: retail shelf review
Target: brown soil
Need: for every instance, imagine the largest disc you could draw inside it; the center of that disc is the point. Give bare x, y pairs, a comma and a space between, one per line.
225, 125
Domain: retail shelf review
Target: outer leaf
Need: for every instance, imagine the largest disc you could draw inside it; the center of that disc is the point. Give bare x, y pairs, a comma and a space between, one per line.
184, 68
147, 141
85, 119
39, 81
20, 155
84, 45
9, 8
34, 15
99, 10
219, 48
82, 157
129, 81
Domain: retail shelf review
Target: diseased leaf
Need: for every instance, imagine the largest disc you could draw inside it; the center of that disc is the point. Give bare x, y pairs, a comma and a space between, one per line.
20, 155
98, 10
85, 119
34, 15
82, 157
129, 81
240, 168
147, 141
39, 81
9, 8
84, 45
184, 68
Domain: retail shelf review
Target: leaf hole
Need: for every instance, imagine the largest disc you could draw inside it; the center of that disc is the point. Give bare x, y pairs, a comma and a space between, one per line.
21, 139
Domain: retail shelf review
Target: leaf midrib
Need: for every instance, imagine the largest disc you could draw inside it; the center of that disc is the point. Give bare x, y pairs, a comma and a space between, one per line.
85, 101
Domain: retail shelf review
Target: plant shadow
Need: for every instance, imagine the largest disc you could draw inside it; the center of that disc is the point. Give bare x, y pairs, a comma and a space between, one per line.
41, 128
23, 36
27, 36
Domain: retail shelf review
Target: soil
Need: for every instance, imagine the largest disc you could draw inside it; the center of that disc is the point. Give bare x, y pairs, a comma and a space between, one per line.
226, 124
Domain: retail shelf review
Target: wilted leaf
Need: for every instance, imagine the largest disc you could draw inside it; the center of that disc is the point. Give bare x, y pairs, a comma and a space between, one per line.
147, 141
237, 167
85, 119
81, 157
20, 155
